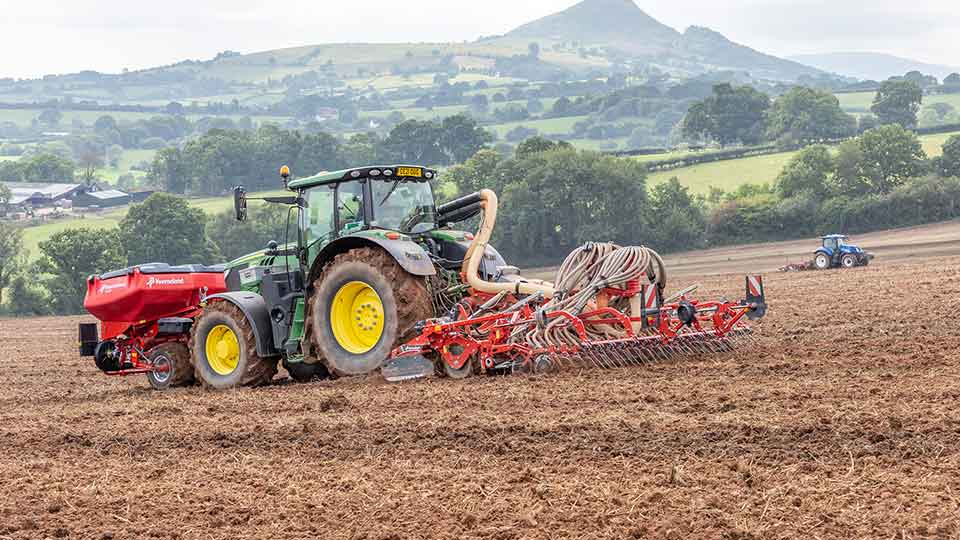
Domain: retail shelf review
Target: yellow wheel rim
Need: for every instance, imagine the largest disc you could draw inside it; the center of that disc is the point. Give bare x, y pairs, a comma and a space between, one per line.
356, 317
223, 349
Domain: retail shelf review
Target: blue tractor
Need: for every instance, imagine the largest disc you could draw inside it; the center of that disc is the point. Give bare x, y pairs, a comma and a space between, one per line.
835, 251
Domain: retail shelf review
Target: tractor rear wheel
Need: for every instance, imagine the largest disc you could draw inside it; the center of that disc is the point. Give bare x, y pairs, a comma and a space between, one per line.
174, 360
848, 261
364, 304
225, 349
821, 261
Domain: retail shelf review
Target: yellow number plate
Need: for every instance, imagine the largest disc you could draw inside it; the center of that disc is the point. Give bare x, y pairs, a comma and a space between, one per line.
415, 172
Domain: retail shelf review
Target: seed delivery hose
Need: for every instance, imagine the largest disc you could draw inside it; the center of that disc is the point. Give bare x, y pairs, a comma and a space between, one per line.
582, 276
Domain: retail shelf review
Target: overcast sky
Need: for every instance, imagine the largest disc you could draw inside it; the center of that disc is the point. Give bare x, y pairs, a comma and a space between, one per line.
38, 37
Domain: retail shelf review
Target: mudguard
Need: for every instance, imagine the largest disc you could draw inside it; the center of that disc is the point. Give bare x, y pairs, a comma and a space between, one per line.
408, 253
254, 308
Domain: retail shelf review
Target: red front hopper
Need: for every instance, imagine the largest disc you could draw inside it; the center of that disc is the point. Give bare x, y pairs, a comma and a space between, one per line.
151, 291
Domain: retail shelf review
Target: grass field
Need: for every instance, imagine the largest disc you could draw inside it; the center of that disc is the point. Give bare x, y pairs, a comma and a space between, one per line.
32, 236
547, 126
730, 174
127, 160
861, 101
727, 175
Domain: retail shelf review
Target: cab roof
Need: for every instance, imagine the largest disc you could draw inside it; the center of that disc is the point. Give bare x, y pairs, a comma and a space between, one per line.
358, 173
834, 236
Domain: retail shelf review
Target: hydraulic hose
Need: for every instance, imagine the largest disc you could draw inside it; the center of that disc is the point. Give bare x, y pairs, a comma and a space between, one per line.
470, 271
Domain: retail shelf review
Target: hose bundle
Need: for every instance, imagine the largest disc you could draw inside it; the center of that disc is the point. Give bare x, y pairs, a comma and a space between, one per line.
582, 276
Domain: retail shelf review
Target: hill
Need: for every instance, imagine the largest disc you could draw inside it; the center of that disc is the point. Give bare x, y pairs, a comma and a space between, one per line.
623, 29
617, 23
592, 36
871, 65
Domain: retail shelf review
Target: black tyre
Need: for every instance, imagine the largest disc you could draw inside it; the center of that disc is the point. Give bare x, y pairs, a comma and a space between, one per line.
848, 261
225, 349
303, 372
821, 261
174, 361
364, 304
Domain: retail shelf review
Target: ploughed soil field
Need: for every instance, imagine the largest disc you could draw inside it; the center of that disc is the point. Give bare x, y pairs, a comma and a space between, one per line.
844, 422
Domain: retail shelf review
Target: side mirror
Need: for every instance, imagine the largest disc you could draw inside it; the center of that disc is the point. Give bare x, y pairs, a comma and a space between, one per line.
240, 203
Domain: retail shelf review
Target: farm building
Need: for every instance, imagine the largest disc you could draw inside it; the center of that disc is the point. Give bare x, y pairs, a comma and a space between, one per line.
37, 194
101, 199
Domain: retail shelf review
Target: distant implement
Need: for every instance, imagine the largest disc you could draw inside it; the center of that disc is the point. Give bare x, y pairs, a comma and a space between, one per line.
373, 278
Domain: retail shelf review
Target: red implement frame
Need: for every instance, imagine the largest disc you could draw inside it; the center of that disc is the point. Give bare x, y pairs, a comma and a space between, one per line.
487, 337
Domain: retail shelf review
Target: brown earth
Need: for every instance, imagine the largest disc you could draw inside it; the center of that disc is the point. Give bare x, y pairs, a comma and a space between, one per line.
843, 423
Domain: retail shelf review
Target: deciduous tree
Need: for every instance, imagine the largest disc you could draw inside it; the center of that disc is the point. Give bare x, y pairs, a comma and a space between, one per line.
11, 249
70, 256
897, 102
164, 228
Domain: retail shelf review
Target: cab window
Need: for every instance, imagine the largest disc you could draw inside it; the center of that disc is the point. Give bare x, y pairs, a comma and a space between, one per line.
350, 206
320, 212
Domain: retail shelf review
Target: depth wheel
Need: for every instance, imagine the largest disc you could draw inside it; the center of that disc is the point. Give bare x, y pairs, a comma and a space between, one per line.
464, 371
364, 305
303, 372
174, 361
225, 349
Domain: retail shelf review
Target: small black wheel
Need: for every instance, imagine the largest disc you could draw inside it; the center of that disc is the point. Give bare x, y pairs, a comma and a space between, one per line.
848, 261
544, 364
303, 372
173, 363
462, 372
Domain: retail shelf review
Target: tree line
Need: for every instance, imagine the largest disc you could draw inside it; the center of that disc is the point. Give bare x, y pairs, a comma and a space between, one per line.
553, 199
799, 116
164, 228
222, 158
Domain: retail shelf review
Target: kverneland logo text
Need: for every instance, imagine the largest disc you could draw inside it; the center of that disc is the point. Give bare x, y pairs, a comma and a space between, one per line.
160, 281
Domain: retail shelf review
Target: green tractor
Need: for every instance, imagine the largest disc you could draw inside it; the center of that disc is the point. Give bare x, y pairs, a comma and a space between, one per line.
368, 255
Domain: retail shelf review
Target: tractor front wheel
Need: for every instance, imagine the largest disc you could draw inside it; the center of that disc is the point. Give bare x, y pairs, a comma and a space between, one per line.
848, 261
173, 363
225, 349
821, 261
364, 305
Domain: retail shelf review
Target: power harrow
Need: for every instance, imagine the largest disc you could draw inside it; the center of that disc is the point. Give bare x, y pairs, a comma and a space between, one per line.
590, 320
606, 308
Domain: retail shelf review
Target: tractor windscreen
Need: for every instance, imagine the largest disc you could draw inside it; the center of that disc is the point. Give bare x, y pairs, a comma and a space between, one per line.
403, 205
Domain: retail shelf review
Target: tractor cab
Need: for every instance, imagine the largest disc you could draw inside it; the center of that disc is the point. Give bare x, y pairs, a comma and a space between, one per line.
833, 242
337, 204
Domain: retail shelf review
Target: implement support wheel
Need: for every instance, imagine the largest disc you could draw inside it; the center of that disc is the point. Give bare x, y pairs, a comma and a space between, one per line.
173, 361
